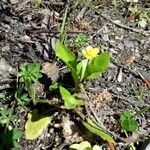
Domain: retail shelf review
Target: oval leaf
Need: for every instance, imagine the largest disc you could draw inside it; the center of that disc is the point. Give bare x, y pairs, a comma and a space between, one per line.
35, 125
98, 131
69, 101
98, 65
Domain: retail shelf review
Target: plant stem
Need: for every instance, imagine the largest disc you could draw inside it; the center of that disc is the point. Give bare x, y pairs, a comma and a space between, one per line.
62, 30
142, 110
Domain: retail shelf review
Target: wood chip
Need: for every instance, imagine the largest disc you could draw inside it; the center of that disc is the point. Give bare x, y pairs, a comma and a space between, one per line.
119, 78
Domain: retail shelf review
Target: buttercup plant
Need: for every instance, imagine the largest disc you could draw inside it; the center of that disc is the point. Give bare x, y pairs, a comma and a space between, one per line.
87, 69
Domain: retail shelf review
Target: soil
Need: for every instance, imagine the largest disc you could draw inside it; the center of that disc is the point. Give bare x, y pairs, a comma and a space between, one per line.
28, 34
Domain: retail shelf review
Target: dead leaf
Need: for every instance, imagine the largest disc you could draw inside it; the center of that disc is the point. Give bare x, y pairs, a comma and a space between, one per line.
100, 98
129, 60
51, 70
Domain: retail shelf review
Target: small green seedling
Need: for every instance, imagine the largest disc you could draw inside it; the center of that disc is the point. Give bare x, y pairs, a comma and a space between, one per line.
128, 123
9, 140
5, 116
28, 76
2, 96
8, 137
80, 40
87, 69
37, 3
23, 100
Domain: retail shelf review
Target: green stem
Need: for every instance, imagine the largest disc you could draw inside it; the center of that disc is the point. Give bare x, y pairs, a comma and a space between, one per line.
63, 26
142, 110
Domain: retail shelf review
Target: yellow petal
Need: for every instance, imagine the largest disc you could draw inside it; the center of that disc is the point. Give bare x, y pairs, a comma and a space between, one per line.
90, 52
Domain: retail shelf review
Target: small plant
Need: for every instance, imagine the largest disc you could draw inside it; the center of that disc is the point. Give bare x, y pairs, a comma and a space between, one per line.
141, 16
37, 3
5, 116
80, 40
8, 136
2, 96
9, 139
23, 100
28, 76
87, 69
127, 121
84, 145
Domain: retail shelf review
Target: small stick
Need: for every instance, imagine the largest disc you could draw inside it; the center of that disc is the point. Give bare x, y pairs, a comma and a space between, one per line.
146, 33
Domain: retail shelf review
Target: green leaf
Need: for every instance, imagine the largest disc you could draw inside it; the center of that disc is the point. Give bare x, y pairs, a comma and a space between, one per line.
17, 134
2, 96
54, 86
29, 72
84, 145
65, 55
128, 123
98, 131
68, 58
81, 69
36, 124
69, 101
10, 137
37, 3
96, 147
80, 39
98, 65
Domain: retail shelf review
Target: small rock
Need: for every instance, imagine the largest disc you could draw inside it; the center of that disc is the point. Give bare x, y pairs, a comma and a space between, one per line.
128, 43
5, 48
119, 89
105, 37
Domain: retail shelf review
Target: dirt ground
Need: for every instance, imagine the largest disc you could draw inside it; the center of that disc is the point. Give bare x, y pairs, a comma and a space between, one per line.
29, 34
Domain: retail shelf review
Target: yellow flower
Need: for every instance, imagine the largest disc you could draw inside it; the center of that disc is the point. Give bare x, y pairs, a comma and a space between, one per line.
90, 52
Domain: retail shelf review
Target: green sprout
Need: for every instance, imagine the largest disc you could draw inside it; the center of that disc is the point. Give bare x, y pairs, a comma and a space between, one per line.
80, 40
37, 3
28, 76
128, 123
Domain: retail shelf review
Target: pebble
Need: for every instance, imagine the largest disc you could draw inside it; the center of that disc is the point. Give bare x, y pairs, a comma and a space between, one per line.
119, 89
5, 48
128, 43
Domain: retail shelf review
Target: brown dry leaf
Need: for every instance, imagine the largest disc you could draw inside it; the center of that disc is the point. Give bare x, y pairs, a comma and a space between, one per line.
129, 60
51, 70
100, 98
83, 25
